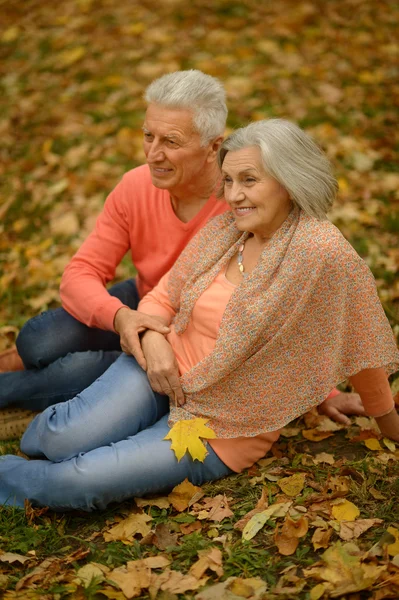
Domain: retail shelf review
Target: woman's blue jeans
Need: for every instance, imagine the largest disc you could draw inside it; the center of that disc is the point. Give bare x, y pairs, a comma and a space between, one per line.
62, 356
104, 445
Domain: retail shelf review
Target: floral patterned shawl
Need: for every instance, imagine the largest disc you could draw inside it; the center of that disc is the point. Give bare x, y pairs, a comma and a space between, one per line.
305, 319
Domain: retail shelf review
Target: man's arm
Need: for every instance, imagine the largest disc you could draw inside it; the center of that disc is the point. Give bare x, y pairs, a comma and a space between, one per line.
82, 290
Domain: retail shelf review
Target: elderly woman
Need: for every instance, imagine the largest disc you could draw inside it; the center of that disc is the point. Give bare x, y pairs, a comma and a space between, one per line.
255, 332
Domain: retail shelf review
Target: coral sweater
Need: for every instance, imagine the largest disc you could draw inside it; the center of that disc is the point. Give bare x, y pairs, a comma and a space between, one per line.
137, 217
199, 339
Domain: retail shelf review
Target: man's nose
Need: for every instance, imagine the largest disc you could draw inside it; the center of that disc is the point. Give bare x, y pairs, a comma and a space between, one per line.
155, 152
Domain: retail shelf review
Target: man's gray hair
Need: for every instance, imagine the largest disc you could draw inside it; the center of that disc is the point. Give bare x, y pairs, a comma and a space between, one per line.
196, 91
293, 159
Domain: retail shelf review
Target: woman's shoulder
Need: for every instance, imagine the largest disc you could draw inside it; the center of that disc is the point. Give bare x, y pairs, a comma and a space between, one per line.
323, 240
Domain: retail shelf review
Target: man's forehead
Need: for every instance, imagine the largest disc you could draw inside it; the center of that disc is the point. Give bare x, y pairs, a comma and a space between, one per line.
169, 121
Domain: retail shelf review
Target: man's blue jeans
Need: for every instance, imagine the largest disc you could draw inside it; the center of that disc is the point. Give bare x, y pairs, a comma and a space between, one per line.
62, 356
105, 445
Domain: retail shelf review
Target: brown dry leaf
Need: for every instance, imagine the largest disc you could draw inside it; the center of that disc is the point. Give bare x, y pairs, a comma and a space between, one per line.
350, 530
181, 495
213, 509
160, 502
208, 559
234, 588
287, 538
88, 572
175, 582
345, 571
290, 431
321, 538
292, 486
315, 435
10, 557
133, 578
46, 570
187, 528
161, 537
323, 457
367, 424
135, 524
344, 510
376, 494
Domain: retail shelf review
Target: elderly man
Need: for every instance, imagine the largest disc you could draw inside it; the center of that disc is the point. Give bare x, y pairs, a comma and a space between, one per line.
153, 213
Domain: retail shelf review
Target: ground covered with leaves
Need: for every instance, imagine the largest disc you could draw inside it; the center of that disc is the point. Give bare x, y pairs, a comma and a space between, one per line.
319, 517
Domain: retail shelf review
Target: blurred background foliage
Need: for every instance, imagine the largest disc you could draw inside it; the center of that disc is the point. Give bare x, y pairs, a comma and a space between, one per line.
72, 75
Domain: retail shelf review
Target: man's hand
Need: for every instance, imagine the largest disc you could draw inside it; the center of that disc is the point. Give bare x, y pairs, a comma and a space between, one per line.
129, 323
341, 405
162, 368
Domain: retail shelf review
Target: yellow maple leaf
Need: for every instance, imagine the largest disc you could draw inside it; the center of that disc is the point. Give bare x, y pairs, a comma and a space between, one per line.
185, 436
345, 511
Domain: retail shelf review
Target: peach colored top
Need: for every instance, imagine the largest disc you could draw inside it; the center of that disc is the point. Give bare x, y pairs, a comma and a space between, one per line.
199, 339
137, 218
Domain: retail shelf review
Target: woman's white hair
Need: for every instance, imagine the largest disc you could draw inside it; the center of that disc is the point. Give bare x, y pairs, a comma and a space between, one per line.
196, 91
293, 159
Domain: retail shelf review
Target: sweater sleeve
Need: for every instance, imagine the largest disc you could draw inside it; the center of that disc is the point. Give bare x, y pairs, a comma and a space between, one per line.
372, 385
83, 292
157, 302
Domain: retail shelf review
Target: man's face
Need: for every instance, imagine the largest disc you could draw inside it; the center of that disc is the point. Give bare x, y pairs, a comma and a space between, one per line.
173, 149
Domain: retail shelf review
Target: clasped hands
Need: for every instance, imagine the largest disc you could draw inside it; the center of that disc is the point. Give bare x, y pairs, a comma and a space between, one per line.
153, 352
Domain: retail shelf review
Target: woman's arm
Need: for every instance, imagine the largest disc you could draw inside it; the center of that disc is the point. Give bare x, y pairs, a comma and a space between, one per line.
373, 388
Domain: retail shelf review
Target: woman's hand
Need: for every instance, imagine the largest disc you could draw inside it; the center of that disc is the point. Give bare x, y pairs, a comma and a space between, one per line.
162, 368
341, 405
389, 425
129, 323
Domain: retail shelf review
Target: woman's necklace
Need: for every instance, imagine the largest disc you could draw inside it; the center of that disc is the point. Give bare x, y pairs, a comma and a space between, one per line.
240, 257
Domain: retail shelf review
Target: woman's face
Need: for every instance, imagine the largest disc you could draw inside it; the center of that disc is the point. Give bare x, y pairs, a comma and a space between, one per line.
259, 203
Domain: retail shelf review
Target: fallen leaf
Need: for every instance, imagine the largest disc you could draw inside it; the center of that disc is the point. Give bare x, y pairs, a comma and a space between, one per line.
376, 494
256, 523
185, 436
318, 591
350, 530
323, 457
287, 538
10, 557
292, 486
161, 502
314, 435
175, 582
344, 510
321, 538
208, 559
214, 509
344, 571
233, 588
389, 444
373, 444
182, 494
393, 549
133, 578
91, 571
135, 524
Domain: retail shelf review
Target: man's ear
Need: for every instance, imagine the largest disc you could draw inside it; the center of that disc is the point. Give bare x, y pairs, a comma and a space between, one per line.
214, 147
